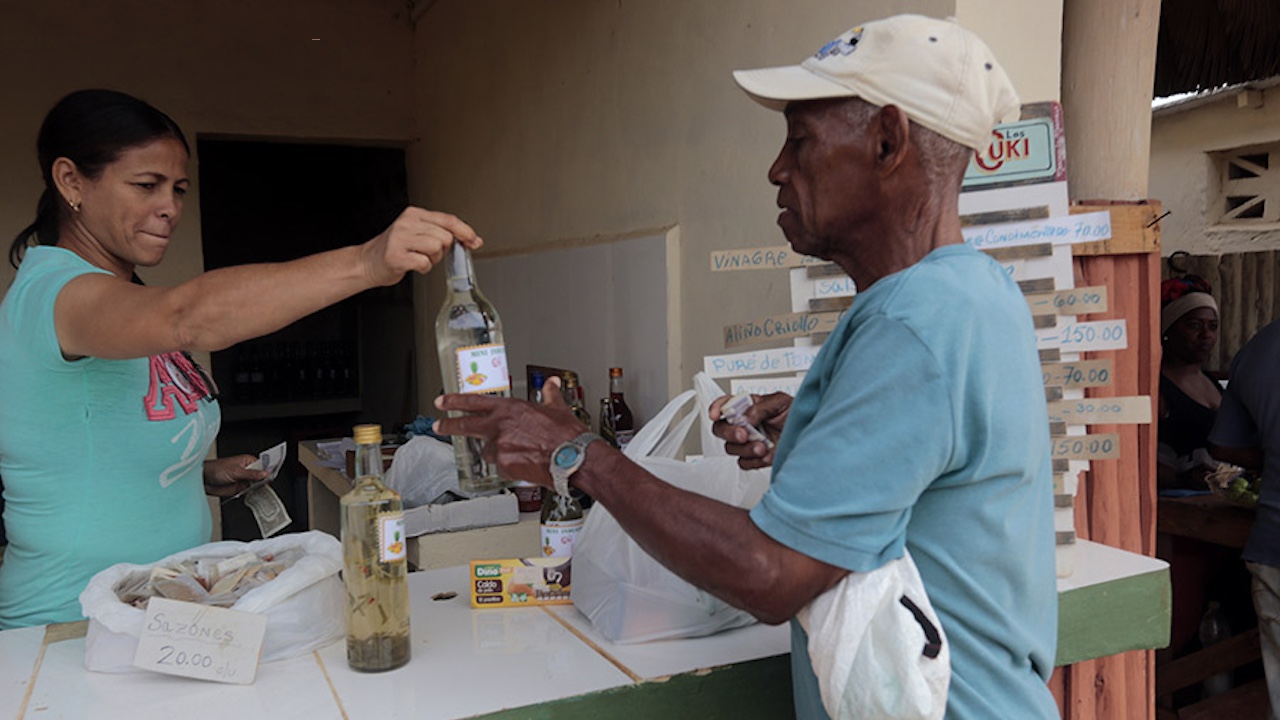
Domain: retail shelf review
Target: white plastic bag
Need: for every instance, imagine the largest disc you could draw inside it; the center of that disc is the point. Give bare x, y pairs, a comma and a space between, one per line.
422, 470
304, 605
629, 596
876, 656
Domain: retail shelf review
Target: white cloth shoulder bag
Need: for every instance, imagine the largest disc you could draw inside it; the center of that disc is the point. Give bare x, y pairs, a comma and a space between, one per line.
877, 647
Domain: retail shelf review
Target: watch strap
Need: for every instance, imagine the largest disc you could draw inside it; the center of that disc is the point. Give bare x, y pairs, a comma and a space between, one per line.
559, 475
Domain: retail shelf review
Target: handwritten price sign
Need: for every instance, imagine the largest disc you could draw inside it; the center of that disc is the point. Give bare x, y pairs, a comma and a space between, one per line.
1104, 446
1102, 411
1077, 301
760, 362
1087, 336
1074, 375
202, 642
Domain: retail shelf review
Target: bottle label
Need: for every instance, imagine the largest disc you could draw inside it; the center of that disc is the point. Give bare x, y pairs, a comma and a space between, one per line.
482, 369
558, 536
391, 540
623, 438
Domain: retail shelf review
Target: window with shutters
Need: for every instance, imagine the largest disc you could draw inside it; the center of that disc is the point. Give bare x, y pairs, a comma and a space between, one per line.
1249, 186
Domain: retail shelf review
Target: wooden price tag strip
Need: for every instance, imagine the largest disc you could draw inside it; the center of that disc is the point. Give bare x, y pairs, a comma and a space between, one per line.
1104, 446
1075, 336
1078, 374
830, 304
1020, 252
1077, 301
779, 327
1036, 285
765, 258
997, 217
1102, 411
824, 270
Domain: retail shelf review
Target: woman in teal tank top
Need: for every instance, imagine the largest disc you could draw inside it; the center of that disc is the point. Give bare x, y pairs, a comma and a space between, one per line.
106, 419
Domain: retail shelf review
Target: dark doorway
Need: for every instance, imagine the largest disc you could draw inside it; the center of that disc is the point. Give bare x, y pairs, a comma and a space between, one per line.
353, 362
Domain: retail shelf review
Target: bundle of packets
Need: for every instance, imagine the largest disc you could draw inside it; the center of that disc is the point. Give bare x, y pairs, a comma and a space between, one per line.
219, 581
520, 582
268, 509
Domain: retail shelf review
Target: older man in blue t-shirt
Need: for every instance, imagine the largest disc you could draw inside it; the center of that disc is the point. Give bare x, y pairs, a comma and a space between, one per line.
921, 424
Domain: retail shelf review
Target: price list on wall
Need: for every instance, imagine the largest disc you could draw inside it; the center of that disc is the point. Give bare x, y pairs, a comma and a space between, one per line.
1014, 207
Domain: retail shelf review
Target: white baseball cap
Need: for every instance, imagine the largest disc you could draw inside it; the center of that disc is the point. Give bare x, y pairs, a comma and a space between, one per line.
940, 74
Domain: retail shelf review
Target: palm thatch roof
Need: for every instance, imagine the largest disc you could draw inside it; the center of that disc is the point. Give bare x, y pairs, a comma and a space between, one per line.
1205, 44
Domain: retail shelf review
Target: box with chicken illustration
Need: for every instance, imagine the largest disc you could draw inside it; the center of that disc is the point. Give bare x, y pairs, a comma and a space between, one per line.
520, 582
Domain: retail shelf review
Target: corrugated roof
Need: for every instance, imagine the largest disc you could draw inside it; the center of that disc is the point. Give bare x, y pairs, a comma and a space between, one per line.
1206, 44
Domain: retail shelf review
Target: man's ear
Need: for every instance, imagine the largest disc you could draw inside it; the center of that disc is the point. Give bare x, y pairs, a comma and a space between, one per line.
67, 178
893, 135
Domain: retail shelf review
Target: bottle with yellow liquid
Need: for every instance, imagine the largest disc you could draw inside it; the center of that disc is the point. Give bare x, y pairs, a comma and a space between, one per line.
375, 563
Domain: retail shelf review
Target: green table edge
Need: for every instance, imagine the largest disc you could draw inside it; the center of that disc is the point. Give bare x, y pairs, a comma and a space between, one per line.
753, 689
1131, 613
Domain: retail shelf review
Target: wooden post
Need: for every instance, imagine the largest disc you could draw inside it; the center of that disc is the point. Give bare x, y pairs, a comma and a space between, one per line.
1108, 70
1116, 502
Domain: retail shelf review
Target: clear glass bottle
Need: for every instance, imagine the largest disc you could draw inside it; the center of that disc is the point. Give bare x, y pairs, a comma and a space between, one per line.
1214, 629
573, 396
374, 563
529, 497
473, 359
621, 422
561, 521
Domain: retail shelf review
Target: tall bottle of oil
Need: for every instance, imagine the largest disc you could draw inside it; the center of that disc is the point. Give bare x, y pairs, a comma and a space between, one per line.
374, 563
473, 359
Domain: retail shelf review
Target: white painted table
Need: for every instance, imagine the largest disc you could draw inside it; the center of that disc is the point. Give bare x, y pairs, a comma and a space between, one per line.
465, 663
548, 662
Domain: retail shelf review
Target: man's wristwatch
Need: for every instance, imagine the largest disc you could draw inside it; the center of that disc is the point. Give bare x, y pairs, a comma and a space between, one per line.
567, 458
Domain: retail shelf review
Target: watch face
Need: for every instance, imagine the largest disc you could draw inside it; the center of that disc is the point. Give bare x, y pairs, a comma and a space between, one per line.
566, 456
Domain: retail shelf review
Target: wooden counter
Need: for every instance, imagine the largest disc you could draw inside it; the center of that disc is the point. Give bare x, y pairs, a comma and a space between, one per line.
1210, 519
435, 550
1205, 517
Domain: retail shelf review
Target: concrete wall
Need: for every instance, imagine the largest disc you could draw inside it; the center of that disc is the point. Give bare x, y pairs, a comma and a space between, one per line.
547, 123
1184, 177
539, 123
233, 67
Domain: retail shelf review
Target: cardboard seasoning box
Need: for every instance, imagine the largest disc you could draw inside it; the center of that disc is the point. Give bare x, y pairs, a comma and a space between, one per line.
520, 582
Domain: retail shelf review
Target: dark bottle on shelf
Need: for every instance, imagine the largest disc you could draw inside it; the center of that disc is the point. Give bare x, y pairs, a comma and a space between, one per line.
240, 379
289, 371
257, 376
346, 376
622, 425
273, 370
